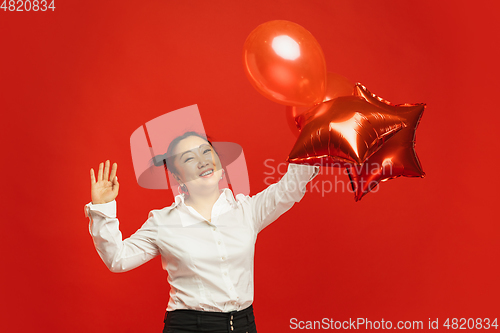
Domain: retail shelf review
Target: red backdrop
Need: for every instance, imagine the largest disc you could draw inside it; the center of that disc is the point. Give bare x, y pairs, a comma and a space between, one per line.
76, 82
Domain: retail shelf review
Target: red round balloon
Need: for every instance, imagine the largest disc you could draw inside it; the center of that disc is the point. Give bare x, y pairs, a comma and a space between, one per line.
285, 63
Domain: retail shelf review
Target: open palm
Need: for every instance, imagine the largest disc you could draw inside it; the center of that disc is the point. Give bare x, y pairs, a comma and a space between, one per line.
105, 188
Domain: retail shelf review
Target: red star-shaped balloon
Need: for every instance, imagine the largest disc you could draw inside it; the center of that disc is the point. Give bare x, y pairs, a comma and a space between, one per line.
397, 156
347, 129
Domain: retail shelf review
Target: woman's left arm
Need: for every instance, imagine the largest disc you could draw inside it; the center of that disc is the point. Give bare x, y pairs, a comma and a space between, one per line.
275, 200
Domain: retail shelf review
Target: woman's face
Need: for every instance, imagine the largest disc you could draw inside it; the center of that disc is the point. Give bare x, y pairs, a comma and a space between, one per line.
197, 164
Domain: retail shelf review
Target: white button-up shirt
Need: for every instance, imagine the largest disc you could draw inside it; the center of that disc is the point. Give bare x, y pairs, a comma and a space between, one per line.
209, 264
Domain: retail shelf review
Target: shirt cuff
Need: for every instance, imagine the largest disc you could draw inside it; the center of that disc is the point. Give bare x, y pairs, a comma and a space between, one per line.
107, 209
304, 170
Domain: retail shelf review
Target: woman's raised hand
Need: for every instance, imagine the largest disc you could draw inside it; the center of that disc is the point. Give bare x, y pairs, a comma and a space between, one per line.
105, 189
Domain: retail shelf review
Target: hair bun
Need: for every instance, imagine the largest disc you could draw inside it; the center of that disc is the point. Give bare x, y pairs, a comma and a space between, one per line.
159, 160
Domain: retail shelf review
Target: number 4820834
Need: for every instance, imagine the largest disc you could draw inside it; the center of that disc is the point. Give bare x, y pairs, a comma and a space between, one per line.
27, 5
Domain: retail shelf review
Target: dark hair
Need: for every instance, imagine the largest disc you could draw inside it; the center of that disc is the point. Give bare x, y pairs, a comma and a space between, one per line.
167, 159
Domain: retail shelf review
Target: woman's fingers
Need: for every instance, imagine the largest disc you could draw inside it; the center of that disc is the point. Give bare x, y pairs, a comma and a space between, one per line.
116, 186
106, 171
103, 173
101, 190
100, 173
113, 172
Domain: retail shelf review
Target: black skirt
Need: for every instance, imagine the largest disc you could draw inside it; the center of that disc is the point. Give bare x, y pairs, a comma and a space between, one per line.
193, 321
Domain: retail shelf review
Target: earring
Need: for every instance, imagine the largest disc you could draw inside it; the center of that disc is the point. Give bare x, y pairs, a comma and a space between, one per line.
223, 172
182, 189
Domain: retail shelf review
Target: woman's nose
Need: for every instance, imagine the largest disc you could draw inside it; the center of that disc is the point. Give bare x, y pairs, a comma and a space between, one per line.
204, 160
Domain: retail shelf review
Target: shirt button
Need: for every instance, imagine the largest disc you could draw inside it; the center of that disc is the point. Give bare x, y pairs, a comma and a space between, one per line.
218, 242
213, 228
223, 258
225, 273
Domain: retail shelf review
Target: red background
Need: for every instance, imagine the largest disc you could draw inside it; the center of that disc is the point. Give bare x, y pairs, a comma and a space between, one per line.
76, 82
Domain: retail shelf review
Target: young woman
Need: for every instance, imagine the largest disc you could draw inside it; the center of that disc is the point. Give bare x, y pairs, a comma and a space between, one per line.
206, 238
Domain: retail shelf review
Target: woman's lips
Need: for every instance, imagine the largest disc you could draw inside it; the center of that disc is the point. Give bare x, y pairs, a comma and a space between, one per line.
209, 175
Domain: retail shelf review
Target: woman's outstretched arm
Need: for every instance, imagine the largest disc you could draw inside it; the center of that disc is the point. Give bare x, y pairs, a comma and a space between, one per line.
118, 255
275, 200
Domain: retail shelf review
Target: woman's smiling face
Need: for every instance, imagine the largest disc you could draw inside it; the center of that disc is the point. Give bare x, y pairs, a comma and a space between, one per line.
197, 164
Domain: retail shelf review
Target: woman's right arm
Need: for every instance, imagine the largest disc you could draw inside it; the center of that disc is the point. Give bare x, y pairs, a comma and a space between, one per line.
118, 255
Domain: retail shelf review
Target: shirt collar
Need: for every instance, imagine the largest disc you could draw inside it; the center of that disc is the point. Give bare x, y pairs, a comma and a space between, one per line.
225, 193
